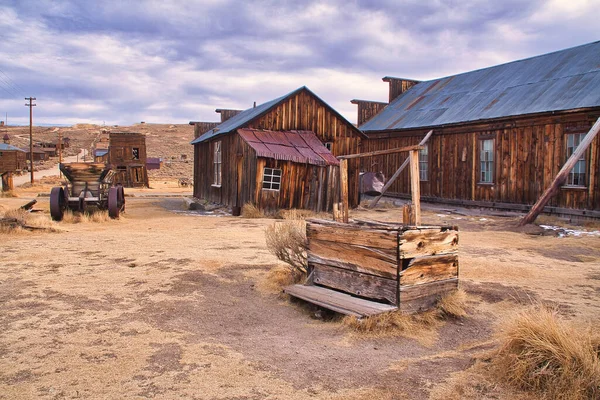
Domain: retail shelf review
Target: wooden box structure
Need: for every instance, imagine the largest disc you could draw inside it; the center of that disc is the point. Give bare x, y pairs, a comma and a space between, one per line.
127, 157
408, 267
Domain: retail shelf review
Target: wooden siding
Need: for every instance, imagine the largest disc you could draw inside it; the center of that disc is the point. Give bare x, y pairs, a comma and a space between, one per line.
367, 109
130, 172
528, 153
302, 185
12, 160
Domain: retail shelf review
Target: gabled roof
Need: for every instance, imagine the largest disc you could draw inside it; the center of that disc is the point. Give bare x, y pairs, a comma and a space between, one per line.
564, 80
297, 146
240, 120
8, 147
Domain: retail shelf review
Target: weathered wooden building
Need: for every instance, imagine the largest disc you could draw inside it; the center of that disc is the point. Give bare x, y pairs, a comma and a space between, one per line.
127, 156
39, 154
12, 159
501, 134
280, 154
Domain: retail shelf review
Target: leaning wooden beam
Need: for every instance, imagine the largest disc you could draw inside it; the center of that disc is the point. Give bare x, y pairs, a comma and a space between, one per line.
561, 176
397, 173
415, 188
380, 152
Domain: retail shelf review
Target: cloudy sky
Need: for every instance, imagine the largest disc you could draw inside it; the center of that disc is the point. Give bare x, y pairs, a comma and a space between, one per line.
122, 62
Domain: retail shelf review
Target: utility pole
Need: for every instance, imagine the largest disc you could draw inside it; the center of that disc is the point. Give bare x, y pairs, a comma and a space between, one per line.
59, 146
30, 105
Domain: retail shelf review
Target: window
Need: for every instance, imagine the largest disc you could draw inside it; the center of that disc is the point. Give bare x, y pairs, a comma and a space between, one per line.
328, 145
271, 179
486, 160
217, 163
135, 152
577, 175
424, 164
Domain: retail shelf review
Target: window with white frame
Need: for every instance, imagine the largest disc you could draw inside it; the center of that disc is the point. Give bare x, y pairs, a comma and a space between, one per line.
217, 163
486, 161
271, 179
577, 176
424, 164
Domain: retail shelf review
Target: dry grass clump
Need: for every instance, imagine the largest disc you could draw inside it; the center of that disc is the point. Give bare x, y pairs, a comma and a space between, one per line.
420, 326
96, 216
249, 210
8, 193
287, 241
19, 220
295, 214
280, 277
549, 356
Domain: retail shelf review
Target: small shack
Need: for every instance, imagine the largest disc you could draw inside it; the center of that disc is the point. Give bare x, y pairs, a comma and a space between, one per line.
153, 163
12, 159
279, 154
101, 155
127, 157
38, 154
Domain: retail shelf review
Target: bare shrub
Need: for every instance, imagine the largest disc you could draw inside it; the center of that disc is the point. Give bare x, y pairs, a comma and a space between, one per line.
280, 277
251, 211
19, 220
8, 193
295, 214
287, 241
453, 304
91, 216
549, 356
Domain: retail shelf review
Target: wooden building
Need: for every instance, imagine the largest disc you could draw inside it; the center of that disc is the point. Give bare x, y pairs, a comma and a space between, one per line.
280, 154
12, 159
39, 154
100, 155
501, 134
127, 156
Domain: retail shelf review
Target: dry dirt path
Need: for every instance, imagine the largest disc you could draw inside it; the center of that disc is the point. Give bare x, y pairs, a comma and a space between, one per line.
163, 305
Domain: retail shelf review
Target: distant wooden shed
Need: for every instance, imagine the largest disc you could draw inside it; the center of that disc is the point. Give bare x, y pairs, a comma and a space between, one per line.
127, 156
280, 154
12, 159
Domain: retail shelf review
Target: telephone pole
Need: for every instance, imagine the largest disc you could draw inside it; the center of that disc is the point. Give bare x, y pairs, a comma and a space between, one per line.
30, 105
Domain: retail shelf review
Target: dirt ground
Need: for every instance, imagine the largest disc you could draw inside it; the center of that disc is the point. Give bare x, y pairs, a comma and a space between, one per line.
170, 305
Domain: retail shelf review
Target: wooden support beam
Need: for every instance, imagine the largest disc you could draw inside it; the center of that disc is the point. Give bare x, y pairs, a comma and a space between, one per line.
562, 175
415, 187
380, 152
397, 173
344, 189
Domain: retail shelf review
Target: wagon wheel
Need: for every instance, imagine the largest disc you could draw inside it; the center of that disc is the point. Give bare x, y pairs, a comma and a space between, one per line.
57, 203
113, 202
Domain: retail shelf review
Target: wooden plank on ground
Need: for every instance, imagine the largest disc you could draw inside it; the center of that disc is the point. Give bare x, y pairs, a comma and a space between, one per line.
427, 269
417, 298
356, 283
337, 301
427, 242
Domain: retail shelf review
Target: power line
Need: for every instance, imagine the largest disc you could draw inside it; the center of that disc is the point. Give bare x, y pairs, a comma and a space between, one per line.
14, 83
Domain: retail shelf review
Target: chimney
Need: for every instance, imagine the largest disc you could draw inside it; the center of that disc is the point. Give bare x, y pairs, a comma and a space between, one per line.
6, 138
367, 109
398, 86
227, 113
201, 128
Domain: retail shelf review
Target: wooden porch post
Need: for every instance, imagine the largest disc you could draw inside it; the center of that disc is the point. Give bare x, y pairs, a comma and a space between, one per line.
344, 189
415, 187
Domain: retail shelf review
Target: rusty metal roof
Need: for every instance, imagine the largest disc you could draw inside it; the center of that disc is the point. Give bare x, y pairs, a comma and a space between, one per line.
297, 146
563, 80
8, 147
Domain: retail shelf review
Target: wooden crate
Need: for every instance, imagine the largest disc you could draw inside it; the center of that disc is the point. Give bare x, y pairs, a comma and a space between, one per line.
405, 266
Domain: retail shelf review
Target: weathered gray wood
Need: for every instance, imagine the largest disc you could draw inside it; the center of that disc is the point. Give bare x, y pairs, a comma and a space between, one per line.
562, 175
337, 301
29, 205
415, 188
427, 269
397, 173
352, 234
385, 270
344, 189
424, 297
369, 286
430, 241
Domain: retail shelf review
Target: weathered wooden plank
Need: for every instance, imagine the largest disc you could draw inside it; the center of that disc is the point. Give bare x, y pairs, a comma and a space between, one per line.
359, 284
381, 152
385, 270
371, 259
337, 301
418, 298
344, 189
352, 234
415, 188
423, 242
427, 269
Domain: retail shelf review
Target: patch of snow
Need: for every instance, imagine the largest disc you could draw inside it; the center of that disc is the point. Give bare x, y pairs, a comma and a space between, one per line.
562, 232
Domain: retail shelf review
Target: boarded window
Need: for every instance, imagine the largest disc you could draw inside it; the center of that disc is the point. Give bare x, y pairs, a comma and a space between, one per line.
135, 153
217, 162
424, 164
271, 179
577, 176
486, 160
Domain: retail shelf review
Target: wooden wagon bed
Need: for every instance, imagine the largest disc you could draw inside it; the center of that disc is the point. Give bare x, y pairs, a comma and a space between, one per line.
366, 267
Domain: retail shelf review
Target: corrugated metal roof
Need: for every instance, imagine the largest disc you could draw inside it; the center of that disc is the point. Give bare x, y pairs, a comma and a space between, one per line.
297, 146
100, 152
8, 147
242, 118
563, 80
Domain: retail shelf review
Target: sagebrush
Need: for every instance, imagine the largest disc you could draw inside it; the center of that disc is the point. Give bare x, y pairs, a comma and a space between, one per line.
287, 241
249, 210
